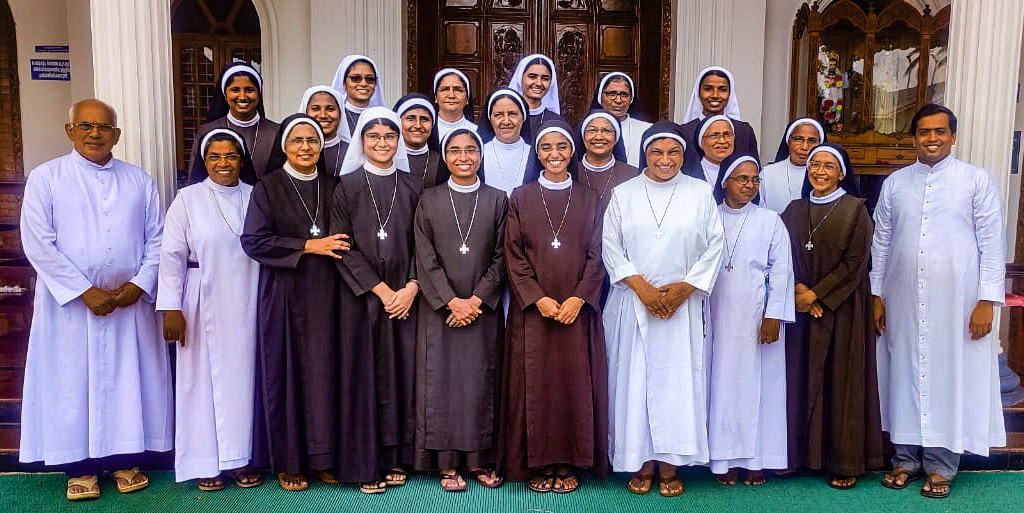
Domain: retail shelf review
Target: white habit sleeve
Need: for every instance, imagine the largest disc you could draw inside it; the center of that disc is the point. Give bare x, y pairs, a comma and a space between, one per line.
173, 257
612, 248
704, 271
780, 276
881, 242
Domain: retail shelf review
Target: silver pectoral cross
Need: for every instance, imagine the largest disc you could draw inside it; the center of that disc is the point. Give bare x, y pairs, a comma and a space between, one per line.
382, 234
658, 234
314, 230
556, 244
464, 249
809, 246
728, 267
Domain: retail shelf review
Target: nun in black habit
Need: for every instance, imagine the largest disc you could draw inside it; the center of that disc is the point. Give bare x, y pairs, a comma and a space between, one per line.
375, 202
238, 104
288, 231
419, 134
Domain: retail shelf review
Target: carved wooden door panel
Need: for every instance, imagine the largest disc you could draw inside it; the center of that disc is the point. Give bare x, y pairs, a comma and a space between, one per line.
586, 38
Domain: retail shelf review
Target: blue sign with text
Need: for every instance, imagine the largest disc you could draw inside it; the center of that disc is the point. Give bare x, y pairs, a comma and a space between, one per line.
50, 69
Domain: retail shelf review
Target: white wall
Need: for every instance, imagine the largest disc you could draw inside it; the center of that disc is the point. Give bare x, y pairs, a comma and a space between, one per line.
44, 103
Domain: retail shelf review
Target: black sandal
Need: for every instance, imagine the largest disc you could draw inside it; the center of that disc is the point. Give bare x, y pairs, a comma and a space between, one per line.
488, 472
932, 494
397, 471
895, 474
546, 480
560, 479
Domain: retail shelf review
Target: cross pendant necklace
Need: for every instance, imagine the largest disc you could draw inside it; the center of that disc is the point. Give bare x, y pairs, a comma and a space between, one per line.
555, 243
464, 248
735, 243
314, 229
810, 231
382, 233
657, 221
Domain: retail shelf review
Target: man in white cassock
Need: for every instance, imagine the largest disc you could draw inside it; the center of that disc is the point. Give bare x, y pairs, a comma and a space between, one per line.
662, 246
97, 377
938, 269
747, 369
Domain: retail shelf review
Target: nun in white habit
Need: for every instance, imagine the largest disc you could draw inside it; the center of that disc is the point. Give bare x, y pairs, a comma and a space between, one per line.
616, 94
509, 161
662, 247
783, 180
207, 292
747, 358
357, 80
317, 103
535, 79
454, 107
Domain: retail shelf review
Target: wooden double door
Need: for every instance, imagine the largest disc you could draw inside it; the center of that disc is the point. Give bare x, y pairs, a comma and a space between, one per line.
586, 38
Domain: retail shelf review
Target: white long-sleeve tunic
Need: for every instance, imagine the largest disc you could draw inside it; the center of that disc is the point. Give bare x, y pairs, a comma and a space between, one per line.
781, 183
632, 132
656, 367
94, 386
747, 394
939, 248
216, 368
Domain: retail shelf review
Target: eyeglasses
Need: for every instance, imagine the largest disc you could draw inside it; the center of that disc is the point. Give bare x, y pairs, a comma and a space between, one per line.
800, 141
622, 95
744, 180
714, 136
231, 158
298, 141
592, 130
815, 165
86, 127
370, 79
391, 137
469, 152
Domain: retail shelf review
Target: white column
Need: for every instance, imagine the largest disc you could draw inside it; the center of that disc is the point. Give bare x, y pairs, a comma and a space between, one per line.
985, 41
703, 37
132, 66
375, 28
728, 33
984, 61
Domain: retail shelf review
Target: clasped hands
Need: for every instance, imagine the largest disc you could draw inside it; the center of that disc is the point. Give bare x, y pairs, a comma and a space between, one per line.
807, 301
397, 303
564, 312
662, 302
463, 311
102, 301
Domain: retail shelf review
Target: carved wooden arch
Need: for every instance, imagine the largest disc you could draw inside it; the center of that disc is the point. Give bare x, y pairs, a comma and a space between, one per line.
412, 16
11, 163
840, 10
900, 12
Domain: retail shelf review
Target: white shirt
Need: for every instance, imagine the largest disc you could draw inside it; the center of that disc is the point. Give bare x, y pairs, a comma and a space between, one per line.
505, 164
632, 134
443, 127
94, 386
939, 248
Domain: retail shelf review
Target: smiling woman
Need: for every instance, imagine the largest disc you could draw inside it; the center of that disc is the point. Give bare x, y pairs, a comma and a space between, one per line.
238, 104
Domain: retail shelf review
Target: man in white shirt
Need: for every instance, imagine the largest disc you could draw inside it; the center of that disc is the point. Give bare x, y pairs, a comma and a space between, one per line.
938, 258
97, 378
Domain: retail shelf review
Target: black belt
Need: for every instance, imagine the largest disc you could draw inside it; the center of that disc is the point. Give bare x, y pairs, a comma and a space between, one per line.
192, 264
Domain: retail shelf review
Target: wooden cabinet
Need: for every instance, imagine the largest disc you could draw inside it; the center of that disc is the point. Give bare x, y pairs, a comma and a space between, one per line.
863, 68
